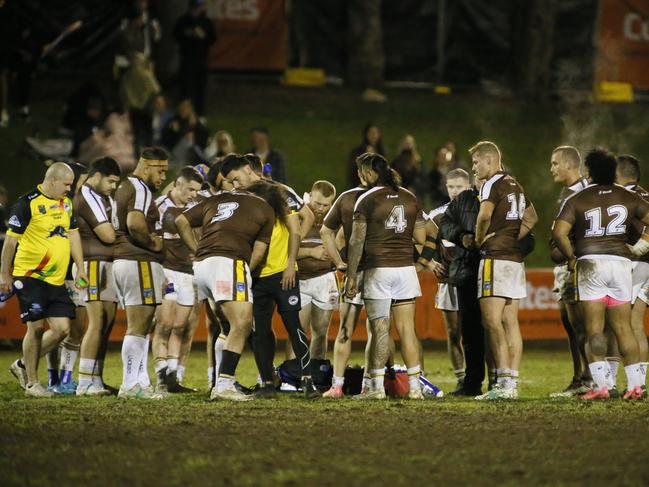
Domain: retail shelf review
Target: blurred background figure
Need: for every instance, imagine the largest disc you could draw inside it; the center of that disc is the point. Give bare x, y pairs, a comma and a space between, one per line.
137, 35
442, 164
194, 32
220, 144
408, 165
159, 117
185, 136
372, 142
261, 147
4, 214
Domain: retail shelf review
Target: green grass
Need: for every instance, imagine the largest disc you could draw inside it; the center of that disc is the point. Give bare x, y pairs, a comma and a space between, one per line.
190, 441
317, 128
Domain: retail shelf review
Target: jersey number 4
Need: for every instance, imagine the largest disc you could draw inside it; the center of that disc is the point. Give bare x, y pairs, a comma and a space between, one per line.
517, 206
397, 219
224, 211
615, 227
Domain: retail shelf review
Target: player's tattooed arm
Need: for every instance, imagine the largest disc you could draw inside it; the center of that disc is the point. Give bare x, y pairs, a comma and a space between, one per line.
186, 233
641, 247
258, 253
356, 244
530, 218
560, 234
483, 221
328, 237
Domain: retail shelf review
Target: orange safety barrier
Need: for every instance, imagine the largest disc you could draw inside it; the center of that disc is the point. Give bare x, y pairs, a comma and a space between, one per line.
539, 315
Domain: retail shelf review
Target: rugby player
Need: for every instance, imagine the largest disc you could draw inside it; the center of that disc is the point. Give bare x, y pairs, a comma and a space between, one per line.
386, 219
446, 299
236, 231
93, 207
340, 216
565, 165
600, 217
138, 273
505, 217
318, 283
42, 235
172, 316
277, 284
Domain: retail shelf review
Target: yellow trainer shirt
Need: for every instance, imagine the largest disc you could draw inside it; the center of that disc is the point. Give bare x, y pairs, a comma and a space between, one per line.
41, 225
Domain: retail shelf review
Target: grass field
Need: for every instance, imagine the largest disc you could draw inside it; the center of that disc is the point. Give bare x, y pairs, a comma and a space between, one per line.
190, 441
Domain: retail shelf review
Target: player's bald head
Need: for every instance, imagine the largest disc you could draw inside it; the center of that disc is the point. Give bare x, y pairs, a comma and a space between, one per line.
58, 171
628, 169
569, 155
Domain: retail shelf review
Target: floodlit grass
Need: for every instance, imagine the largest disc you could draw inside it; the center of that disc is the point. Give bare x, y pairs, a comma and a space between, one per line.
187, 440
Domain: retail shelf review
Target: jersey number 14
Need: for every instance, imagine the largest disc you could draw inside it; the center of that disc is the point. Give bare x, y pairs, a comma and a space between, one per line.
516, 206
397, 219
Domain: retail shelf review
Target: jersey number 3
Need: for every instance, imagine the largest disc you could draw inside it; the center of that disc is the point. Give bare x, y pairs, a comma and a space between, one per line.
397, 219
224, 211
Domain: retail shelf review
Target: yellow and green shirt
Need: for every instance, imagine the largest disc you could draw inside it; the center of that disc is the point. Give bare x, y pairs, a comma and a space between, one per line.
42, 226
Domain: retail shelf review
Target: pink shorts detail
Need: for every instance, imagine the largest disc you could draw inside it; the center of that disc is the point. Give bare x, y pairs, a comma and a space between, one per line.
609, 301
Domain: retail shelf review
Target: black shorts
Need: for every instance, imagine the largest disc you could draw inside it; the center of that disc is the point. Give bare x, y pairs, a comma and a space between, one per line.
266, 290
39, 300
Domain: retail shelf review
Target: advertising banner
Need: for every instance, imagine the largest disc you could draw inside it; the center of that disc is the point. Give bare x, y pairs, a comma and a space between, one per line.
538, 316
252, 35
623, 43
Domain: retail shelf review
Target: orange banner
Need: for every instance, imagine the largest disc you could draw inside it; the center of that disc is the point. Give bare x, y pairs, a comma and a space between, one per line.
252, 35
539, 315
623, 42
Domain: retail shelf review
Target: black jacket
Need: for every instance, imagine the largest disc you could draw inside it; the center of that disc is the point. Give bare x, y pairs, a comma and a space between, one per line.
459, 220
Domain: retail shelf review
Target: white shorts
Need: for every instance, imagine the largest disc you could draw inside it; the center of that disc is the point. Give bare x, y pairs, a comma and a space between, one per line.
501, 279
223, 279
322, 291
183, 283
138, 282
640, 281
391, 283
101, 283
358, 299
446, 297
598, 278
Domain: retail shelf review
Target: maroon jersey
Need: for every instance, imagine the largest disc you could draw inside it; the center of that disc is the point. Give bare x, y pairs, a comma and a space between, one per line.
308, 266
637, 227
177, 255
567, 191
602, 217
134, 195
342, 214
391, 217
231, 221
91, 210
509, 203
445, 249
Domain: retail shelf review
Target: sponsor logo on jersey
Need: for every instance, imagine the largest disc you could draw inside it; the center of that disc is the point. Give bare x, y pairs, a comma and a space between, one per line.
14, 221
147, 292
241, 286
41, 209
58, 230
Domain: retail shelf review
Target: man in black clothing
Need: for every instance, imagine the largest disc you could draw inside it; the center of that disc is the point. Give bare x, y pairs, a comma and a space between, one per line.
194, 32
274, 164
458, 226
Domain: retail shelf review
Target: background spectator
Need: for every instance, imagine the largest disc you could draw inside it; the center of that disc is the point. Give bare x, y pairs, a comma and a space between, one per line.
4, 214
185, 136
159, 118
408, 165
221, 144
261, 147
84, 125
371, 143
137, 35
442, 164
194, 32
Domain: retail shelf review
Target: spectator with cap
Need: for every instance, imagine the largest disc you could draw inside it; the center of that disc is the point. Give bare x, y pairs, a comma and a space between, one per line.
194, 32
273, 161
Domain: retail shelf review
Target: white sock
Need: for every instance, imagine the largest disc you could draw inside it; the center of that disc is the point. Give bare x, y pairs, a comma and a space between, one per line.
413, 377
158, 365
644, 371
514, 379
224, 383
377, 379
634, 376
339, 381
367, 382
66, 363
601, 373
459, 374
210, 376
613, 365
180, 373
143, 372
218, 353
87, 371
172, 364
132, 350
97, 378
